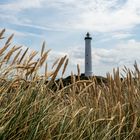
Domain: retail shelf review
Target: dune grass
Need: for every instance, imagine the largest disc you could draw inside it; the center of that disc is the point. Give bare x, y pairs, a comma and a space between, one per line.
83, 110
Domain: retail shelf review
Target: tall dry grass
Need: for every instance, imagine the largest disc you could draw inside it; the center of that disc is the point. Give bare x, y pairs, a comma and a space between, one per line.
82, 110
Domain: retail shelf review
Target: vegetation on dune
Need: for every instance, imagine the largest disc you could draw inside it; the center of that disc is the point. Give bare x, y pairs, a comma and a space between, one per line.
84, 109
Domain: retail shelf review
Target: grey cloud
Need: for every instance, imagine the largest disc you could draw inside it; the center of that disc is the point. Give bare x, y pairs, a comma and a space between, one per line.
83, 15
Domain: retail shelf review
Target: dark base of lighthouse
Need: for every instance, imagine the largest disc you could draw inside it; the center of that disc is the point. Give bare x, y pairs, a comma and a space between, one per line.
84, 75
68, 80
89, 73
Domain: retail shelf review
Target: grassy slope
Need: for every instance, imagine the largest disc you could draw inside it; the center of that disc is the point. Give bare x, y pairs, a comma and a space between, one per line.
81, 109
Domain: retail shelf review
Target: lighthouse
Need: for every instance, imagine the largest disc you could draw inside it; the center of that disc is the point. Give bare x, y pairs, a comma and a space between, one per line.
88, 55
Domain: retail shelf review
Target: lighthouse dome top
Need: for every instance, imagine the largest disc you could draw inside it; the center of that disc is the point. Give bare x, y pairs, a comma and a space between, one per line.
88, 36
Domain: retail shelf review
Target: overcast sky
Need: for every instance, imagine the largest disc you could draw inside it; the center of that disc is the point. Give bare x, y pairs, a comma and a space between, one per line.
113, 24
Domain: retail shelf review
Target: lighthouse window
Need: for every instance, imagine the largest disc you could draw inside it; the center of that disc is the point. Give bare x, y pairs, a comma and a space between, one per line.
87, 63
87, 54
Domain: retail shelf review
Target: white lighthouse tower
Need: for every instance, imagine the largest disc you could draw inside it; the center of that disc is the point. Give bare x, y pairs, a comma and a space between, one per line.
88, 55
